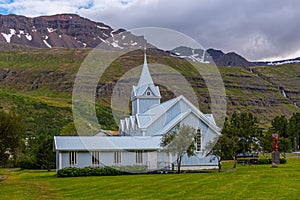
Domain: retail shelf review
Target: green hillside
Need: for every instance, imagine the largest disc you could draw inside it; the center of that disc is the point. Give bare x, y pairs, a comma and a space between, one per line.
37, 83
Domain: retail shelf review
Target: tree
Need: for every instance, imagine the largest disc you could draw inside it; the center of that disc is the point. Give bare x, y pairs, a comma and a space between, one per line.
69, 130
265, 141
179, 141
280, 126
45, 156
227, 144
294, 130
11, 130
239, 135
222, 149
245, 126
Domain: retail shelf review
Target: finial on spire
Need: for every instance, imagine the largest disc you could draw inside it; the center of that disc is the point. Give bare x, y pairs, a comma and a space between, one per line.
145, 55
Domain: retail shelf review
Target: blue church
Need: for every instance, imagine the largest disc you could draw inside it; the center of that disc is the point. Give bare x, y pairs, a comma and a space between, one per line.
140, 134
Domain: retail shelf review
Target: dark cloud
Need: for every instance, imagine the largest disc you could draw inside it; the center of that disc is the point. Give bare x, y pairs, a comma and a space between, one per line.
254, 28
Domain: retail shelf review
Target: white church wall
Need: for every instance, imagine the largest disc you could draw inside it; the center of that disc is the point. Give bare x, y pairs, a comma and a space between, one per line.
146, 104
191, 120
156, 126
184, 106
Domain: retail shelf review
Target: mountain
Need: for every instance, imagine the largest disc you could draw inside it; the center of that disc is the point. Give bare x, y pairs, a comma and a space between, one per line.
36, 77
38, 84
222, 59
228, 59
74, 31
207, 56
62, 30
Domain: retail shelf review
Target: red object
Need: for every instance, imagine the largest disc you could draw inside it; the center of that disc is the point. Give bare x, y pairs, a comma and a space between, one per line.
275, 142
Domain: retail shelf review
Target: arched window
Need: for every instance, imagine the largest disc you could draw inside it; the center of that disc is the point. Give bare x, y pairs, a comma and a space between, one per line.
198, 139
148, 93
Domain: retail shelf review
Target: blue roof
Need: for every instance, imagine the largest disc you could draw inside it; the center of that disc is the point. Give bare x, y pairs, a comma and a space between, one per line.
85, 143
145, 119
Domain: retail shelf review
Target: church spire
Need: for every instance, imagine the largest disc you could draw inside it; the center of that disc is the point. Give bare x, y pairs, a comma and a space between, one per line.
145, 94
145, 78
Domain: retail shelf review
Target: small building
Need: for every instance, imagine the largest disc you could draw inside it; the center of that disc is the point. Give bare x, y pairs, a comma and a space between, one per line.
141, 133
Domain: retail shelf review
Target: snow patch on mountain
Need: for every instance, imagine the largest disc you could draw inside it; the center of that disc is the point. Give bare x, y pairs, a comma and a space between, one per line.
102, 27
190, 54
284, 62
28, 36
50, 30
47, 44
8, 36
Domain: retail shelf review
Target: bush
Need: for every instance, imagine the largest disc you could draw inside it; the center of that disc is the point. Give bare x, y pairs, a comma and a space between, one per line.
262, 161
101, 171
133, 168
282, 160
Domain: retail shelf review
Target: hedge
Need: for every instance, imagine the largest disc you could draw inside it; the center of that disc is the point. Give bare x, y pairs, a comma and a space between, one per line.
101, 171
262, 161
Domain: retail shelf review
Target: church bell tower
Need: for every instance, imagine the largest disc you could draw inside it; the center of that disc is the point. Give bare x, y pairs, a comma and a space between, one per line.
145, 94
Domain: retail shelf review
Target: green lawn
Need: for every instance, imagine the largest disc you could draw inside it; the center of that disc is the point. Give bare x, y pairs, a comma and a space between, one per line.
2, 171
246, 182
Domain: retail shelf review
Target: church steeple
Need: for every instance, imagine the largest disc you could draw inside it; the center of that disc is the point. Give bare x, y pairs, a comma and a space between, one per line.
145, 77
145, 94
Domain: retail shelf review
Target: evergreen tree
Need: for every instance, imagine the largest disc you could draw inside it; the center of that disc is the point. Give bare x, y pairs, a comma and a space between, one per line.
245, 127
280, 127
240, 134
11, 130
294, 130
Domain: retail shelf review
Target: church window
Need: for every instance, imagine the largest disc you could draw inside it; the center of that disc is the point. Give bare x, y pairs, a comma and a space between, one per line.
139, 157
118, 157
198, 140
73, 157
148, 93
95, 157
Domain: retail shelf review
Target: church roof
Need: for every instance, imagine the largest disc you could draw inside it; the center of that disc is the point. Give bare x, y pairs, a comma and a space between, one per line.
83, 143
145, 78
144, 120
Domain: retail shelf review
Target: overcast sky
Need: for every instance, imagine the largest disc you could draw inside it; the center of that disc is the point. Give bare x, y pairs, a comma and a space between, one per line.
255, 29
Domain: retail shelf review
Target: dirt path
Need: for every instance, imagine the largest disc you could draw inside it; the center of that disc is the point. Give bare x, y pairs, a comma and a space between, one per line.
4, 176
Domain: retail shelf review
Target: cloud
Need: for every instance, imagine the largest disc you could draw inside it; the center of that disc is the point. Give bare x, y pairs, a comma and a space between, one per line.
32, 8
253, 28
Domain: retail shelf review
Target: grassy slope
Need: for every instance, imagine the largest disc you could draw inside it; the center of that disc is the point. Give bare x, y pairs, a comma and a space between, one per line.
247, 91
286, 76
54, 70
247, 182
48, 107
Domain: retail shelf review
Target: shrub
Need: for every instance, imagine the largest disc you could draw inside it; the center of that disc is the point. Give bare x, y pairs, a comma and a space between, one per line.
133, 168
262, 161
101, 171
282, 160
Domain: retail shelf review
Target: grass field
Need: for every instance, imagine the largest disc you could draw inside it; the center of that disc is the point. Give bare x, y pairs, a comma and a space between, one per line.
246, 182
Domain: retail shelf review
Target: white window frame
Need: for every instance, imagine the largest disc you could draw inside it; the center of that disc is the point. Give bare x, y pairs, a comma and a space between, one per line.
117, 157
139, 157
73, 157
95, 157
